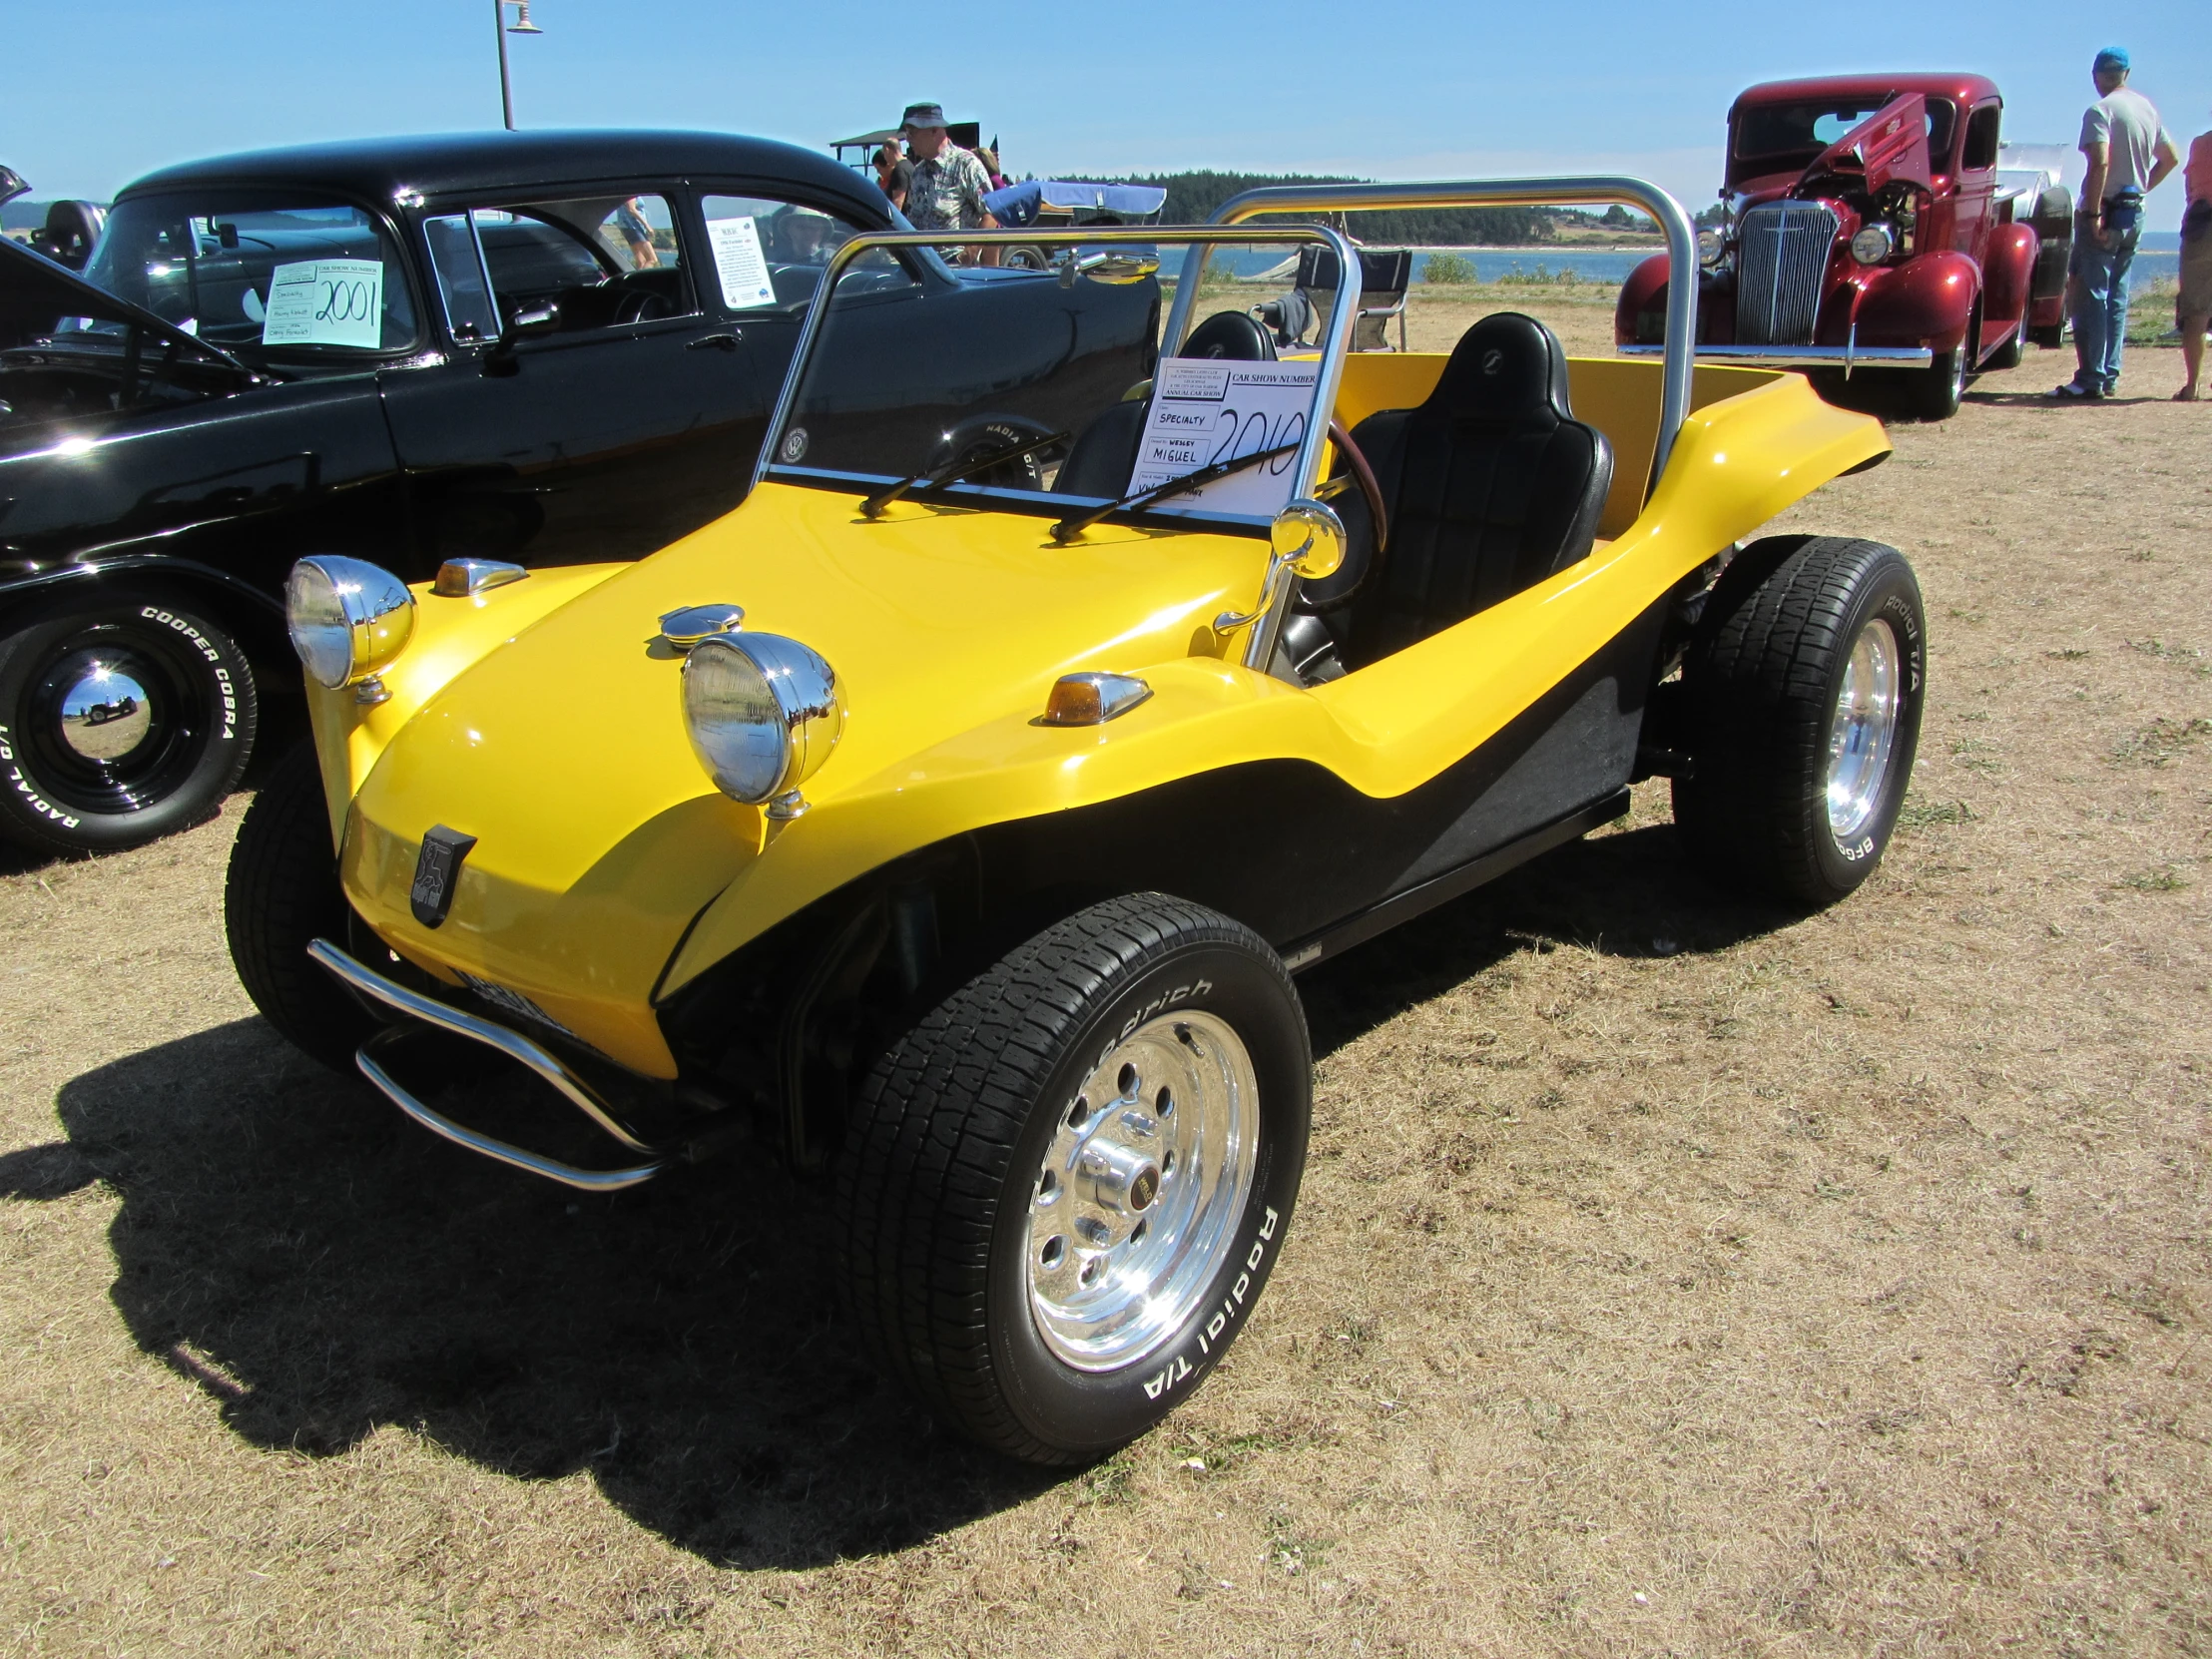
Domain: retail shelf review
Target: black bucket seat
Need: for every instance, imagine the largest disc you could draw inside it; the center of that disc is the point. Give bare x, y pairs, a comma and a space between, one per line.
1490, 486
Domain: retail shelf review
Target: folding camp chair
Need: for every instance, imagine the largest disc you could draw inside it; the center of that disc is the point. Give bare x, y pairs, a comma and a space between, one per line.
1384, 276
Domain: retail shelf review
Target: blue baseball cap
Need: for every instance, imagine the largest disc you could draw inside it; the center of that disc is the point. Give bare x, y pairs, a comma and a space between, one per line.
2111, 58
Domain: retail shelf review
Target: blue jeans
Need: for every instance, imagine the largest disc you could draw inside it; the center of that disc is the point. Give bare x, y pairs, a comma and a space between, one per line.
2100, 292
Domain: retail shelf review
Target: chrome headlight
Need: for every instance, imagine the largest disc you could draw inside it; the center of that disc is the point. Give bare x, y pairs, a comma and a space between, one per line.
1711, 245
1874, 243
347, 618
762, 714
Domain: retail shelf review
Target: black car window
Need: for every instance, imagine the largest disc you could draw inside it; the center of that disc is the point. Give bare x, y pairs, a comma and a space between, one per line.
595, 261
1772, 138
258, 272
1980, 153
771, 253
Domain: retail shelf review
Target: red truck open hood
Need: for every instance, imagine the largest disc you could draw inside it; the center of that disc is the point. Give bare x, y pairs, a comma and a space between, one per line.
1890, 143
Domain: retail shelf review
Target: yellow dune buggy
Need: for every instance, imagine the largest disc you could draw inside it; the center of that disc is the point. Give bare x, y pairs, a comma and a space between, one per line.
953, 816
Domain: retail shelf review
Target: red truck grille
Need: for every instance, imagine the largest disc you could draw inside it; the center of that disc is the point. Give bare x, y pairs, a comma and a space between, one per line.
1782, 252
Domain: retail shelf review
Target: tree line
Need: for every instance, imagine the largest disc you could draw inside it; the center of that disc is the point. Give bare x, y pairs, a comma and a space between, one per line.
1193, 196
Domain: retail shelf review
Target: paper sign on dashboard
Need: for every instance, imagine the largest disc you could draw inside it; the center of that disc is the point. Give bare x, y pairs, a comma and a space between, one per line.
739, 262
325, 302
1206, 410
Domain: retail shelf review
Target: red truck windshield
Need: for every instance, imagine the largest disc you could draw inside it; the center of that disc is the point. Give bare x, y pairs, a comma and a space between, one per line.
1780, 138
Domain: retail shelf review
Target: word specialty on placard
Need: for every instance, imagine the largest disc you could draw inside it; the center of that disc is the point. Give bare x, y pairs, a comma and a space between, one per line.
325, 302
739, 264
1207, 410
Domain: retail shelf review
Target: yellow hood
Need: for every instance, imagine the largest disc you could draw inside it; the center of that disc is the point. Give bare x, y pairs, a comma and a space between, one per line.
599, 837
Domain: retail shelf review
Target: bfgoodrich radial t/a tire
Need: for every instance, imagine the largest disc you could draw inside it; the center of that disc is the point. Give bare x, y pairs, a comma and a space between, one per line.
1802, 695
123, 717
1063, 1191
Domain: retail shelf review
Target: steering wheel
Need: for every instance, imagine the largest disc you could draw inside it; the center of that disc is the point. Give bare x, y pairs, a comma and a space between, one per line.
1363, 570
641, 305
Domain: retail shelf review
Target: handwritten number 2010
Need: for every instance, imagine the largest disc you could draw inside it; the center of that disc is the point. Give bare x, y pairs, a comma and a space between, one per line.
1249, 435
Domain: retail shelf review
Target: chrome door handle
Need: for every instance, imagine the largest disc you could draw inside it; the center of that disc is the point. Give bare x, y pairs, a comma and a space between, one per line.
721, 342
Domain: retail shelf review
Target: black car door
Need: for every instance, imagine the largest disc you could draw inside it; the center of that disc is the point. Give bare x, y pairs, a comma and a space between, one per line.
763, 251
589, 406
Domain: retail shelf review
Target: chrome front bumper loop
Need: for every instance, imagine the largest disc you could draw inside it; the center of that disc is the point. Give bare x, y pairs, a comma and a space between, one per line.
1803, 357
547, 1065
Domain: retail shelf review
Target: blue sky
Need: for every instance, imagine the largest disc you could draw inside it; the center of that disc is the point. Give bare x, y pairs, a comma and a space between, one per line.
1403, 90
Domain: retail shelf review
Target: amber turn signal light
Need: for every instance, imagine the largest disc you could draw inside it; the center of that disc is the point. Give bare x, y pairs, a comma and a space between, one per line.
1091, 699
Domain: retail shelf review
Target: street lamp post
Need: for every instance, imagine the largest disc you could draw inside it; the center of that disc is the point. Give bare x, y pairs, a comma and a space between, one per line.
501, 29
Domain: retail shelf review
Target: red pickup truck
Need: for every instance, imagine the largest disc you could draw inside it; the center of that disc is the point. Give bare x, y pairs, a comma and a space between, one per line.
1865, 230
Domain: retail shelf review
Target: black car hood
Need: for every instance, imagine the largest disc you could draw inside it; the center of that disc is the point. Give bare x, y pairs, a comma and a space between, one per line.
34, 290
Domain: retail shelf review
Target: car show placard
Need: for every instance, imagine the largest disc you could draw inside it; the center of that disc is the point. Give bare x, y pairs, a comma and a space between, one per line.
1206, 410
325, 302
739, 262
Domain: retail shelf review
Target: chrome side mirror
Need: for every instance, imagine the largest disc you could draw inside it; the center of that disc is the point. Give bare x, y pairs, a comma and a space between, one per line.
1310, 539
1119, 269
1308, 543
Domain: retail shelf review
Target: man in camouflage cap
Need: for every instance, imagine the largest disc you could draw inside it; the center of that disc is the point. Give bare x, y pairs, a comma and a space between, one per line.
949, 183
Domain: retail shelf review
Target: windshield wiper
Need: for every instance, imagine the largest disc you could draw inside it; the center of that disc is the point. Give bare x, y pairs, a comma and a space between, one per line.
954, 472
1069, 528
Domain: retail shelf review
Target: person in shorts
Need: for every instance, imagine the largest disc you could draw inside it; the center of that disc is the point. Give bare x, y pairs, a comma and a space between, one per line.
2129, 153
637, 235
949, 183
2193, 305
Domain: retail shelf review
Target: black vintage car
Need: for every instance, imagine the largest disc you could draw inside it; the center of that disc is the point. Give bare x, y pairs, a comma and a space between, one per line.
537, 347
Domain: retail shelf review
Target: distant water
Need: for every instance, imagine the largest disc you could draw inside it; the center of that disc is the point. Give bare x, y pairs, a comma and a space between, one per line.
2158, 256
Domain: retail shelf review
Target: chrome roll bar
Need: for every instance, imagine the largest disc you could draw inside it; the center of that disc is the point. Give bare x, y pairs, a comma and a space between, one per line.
1666, 211
1674, 380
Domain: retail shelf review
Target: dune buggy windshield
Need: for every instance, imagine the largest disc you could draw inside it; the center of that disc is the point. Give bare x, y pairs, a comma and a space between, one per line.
918, 372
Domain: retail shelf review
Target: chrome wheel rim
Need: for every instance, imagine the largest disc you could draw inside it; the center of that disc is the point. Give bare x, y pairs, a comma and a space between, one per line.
112, 719
1135, 1206
1864, 730
105, 712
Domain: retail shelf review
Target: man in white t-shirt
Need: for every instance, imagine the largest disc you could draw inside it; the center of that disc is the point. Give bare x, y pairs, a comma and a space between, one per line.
2129, 151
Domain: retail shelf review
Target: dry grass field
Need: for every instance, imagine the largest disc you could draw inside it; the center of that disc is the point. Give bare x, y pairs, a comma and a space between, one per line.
1673, 1275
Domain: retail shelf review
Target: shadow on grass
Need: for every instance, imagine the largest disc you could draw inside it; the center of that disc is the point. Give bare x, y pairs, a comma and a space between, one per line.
322, 1268
1624, 895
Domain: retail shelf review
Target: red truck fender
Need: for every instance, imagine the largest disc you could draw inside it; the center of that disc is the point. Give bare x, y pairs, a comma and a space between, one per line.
2007, 272
1645, 293
1924, 301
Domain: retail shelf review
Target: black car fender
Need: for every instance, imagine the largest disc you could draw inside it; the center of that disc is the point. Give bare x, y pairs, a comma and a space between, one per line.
253, 616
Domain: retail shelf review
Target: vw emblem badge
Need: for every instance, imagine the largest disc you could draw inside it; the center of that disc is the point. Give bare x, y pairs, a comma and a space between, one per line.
794, 446
436, 866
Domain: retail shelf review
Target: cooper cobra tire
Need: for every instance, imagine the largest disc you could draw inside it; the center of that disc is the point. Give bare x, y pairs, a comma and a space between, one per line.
976, 1243
281, 892
124, 716
1802, 695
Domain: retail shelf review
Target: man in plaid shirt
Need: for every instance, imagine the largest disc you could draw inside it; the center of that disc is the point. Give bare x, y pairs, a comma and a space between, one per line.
949, 183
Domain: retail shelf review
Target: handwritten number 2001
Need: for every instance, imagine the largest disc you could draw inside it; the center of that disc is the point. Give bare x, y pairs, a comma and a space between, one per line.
343, 303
